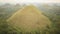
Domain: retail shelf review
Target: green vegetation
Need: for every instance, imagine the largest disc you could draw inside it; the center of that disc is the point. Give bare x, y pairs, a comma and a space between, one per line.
53, 13
5, 13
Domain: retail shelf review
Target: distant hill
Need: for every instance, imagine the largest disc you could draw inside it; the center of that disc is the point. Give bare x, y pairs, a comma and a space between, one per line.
51, 10
7, 10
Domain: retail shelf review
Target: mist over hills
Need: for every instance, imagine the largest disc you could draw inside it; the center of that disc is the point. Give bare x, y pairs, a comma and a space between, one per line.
52, 11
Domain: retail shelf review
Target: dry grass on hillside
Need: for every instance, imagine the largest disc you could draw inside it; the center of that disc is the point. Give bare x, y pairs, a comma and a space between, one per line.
29, 19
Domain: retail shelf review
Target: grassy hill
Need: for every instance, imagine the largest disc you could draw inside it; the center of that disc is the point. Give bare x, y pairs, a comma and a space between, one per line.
29, 19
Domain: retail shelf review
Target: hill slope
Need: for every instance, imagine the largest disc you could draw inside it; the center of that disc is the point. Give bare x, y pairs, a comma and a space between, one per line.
29, 19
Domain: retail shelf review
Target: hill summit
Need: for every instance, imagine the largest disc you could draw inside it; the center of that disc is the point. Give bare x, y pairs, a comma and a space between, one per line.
29, 18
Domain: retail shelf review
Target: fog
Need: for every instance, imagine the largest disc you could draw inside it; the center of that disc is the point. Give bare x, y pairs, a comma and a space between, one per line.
29, 1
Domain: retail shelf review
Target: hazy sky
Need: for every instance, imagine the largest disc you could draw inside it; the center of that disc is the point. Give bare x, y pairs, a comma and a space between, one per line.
29, 1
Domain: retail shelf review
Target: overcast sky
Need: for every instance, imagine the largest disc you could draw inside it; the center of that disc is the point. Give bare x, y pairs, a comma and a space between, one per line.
29, 1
